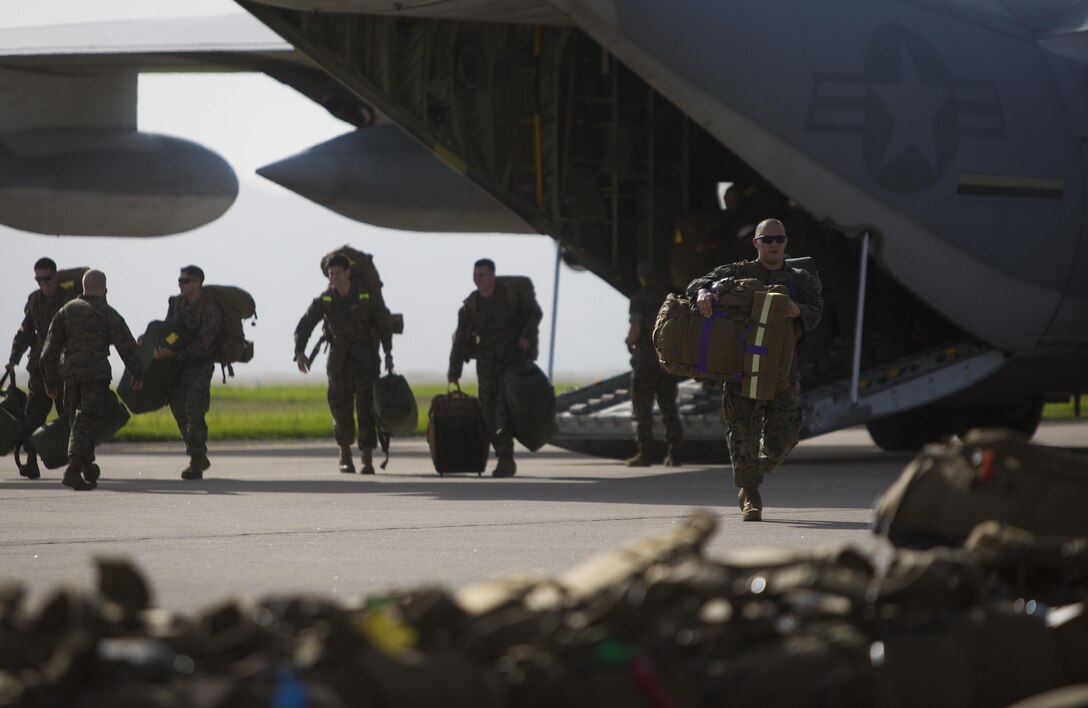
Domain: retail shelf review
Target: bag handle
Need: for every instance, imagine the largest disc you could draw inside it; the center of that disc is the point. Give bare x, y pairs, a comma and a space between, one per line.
8, 372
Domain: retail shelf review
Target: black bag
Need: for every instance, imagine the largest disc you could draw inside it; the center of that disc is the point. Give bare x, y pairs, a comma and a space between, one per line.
395, 405
947, 490
456, 434
530, 399
12, 409
159, 374
51, 439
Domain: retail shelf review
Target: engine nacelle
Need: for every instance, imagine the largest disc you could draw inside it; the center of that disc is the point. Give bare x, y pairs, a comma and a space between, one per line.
381, 176
110, 183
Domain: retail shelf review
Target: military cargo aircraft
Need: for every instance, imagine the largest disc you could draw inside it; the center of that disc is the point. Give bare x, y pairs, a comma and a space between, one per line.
929, 155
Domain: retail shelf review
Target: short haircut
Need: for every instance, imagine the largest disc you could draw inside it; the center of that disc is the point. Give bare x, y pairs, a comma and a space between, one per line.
485, 262
340, 261
45, 264
646, 268
193, 271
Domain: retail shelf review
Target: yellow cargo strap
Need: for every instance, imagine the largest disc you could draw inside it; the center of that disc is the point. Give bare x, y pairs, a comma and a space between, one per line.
761, 330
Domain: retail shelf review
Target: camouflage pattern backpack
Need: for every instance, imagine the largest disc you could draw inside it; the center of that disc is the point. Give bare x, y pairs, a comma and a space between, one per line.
231, 346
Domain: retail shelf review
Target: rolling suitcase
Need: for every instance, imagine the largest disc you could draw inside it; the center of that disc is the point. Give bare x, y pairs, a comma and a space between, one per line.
159, 374
456, 434
51, 439
12, 407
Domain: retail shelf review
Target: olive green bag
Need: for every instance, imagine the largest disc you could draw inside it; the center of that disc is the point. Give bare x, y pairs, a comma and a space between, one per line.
950, 488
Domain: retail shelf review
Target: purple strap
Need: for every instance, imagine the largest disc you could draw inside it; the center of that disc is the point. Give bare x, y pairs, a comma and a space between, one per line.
704, 344
753, 349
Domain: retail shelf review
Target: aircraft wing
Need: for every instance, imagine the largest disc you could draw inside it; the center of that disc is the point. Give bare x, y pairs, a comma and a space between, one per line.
186, 43
72, 160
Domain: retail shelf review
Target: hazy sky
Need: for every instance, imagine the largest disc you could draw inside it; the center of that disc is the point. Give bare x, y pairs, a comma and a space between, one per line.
271, 240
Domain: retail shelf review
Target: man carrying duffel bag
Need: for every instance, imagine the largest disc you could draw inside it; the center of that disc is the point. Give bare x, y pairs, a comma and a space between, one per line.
55, 289
498, 326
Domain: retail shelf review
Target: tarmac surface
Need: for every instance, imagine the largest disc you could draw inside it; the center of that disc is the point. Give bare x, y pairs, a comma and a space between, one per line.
277, 518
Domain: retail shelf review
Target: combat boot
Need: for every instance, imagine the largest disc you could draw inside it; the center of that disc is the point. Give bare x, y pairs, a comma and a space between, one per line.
505, 467
91, 473
197, 465
30, 468
73, 476
751, 504
368, 461
347, 466
672, 455
641, 458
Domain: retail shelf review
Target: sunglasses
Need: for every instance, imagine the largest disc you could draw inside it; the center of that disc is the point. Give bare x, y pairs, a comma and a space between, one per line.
184, 281
43, 278
772, 239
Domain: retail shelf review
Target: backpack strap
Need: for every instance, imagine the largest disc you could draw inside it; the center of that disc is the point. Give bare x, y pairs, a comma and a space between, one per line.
383, 440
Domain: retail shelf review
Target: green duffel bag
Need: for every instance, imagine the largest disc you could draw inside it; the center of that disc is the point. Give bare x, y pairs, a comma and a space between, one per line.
159, 374
51, 439
950, 488
395, 405
12, 407
530, 398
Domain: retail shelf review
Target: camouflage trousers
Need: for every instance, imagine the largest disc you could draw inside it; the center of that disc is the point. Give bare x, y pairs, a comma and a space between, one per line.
86, 405
189, 402
650, 381
351, 395
37, 408
493, 407
760, 433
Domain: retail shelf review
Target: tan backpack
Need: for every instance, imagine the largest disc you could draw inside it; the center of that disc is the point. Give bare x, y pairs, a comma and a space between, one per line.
231, 346
748, 340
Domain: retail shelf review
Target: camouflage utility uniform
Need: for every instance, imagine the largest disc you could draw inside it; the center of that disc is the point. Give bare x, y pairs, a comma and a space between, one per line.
489, 328
191, 395
37, 315
354, 324
76, 353
761, 433
648, 379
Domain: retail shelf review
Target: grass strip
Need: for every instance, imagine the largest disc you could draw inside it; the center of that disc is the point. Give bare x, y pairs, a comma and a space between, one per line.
294, 412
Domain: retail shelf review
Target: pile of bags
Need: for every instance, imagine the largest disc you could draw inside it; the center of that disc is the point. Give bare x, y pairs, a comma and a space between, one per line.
995, 619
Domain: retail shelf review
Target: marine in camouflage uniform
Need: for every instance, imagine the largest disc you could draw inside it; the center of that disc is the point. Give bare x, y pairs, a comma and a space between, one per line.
41, 306
355, 320
498, 326
648, 379
76, 351
760, 434
200, 316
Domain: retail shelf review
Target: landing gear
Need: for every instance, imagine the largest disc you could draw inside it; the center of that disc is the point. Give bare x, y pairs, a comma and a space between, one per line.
910, 430
1023, 417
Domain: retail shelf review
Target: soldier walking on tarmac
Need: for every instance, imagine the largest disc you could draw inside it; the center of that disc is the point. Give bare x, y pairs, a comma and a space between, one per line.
355, 320
82, 332
761, 433
498, 325
42, 304
648, 379
201, 316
